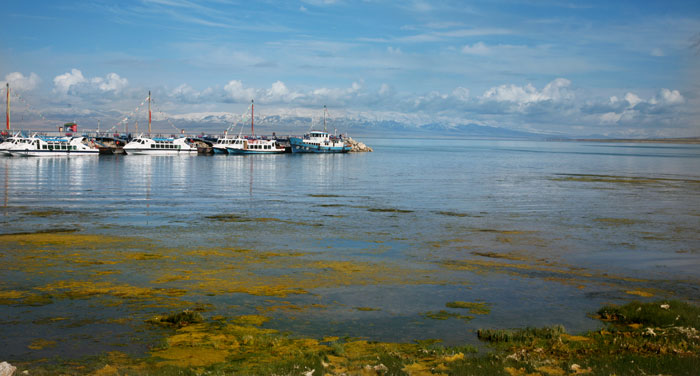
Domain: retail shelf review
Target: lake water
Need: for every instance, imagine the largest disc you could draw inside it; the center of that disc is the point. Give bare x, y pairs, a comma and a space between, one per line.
368, 245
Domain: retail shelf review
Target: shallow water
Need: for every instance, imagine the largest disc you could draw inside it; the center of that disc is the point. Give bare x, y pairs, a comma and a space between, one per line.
359, 245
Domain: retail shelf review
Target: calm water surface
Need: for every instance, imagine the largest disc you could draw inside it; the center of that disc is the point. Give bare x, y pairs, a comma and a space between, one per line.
541, 232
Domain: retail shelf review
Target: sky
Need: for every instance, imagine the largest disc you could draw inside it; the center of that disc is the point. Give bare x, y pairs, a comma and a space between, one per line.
570, 68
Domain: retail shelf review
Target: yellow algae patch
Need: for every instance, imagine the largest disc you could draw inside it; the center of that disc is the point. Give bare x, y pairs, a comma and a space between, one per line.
617, 221
644, 294
571, 338
39, 344
519, 372
473, 307
11, 294
83, 289
507, 256
417, 369
455, 357
255, 320
66, 239
552, 371
107, 370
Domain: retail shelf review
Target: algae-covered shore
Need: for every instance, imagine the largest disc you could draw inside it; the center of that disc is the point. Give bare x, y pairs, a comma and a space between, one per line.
122, 294
352, 264
639, 338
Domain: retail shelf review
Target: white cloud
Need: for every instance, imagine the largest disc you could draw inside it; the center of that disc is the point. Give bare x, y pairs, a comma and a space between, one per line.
478, 48
18, 81
238, 93
657, 52
610, 118
62, 83
461, 93
74, 82
303, 9
556, 90
632, 99
319, 2
669, 97
279, 93
384, 89
393, 51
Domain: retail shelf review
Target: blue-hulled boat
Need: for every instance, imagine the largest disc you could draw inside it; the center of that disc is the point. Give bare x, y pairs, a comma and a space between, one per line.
319, 142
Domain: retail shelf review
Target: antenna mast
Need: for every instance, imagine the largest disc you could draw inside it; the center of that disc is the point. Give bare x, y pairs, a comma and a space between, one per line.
252, 116
149, 113
8, 106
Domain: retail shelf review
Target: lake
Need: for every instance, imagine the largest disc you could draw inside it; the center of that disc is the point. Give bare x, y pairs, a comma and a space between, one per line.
367, 245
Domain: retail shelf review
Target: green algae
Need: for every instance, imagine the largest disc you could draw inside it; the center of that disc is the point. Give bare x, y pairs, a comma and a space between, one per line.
618, 221
178, 319
51, 213
620, 179
476, 308
367, 309
445, 315
389, 210
240, 345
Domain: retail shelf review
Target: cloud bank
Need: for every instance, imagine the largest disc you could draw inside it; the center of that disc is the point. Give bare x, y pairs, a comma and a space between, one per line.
559, 107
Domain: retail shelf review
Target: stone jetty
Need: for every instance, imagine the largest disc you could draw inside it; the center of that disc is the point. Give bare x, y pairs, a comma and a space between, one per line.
356, 146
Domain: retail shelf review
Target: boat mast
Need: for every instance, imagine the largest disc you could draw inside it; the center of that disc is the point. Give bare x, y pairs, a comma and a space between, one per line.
252, 116
149, 113
8, 106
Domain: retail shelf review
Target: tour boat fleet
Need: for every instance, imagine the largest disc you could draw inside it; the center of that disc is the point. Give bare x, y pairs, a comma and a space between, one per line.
40, 145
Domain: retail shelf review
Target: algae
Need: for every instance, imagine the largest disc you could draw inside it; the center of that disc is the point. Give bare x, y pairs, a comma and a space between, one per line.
476, 308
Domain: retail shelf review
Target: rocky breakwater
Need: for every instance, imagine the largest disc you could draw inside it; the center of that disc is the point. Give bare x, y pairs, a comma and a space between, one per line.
356, 146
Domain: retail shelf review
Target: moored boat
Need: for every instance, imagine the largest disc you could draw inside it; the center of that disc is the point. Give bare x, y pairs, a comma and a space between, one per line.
223, 144
319, 141
159, 146
255, 146
38, 146
9, 142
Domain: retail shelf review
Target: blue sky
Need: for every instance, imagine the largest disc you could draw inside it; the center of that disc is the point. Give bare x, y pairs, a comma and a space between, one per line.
622, 68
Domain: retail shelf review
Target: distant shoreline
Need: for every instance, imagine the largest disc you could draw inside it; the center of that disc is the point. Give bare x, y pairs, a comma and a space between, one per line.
689, 140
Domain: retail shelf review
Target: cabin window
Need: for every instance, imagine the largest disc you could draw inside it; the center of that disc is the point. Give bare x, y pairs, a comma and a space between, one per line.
153, 146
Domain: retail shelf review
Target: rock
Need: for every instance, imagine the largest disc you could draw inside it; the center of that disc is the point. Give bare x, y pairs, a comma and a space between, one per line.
356, 146
381, 368
7, 369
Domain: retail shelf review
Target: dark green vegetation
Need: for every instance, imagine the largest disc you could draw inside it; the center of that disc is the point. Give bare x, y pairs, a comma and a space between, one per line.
179, 319
639, 338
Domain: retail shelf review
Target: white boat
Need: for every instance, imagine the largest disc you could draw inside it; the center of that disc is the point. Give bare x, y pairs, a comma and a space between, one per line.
222, 144
255, 146
9, 143
159, 146
39, 146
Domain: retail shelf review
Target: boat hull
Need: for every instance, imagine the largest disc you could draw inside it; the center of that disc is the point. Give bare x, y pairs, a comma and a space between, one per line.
52, 153
219, 150
299, 146
159, 151
245, 152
